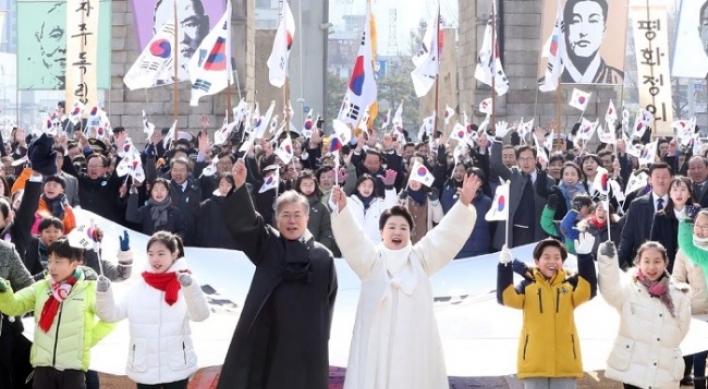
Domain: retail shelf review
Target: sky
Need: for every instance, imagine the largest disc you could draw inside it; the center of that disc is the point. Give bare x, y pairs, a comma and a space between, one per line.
410, 12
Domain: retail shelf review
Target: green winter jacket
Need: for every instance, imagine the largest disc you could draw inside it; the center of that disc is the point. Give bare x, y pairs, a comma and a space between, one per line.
75, 329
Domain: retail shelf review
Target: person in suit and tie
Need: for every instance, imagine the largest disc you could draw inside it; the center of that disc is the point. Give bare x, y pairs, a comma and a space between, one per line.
639, 217
528, 193
698, 171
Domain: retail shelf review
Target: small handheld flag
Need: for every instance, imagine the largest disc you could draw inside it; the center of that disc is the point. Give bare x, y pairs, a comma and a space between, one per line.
421, 174
580, 99
500, 205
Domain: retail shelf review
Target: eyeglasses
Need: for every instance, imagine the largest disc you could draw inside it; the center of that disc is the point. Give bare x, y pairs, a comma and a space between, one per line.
700, 227
526, 159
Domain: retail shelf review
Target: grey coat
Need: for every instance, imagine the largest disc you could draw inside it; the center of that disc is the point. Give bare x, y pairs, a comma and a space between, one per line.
72, 189
12, 269
542, 188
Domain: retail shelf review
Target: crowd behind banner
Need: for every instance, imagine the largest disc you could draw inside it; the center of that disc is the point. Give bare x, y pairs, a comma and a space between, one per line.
381, 195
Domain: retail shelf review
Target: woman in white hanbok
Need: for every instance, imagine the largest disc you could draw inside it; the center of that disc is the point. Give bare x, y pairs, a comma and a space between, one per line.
395, 343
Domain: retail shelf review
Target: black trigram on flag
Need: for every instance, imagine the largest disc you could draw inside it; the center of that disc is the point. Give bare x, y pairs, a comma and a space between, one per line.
353, 111
202, 85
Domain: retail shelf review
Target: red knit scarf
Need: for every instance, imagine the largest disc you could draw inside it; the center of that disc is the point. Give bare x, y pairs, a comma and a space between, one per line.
597, 223
60, 291
166, 282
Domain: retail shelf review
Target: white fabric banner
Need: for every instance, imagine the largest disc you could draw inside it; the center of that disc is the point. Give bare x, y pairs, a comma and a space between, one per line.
691, 42
651, 45
81, 52
479, 336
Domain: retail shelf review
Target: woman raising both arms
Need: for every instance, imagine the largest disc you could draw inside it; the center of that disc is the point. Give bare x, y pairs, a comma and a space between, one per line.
396, 342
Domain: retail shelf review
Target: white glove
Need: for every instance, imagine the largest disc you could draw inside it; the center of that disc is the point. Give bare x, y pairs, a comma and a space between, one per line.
501, 129
103, 284
584, 243
505, 256
185, 279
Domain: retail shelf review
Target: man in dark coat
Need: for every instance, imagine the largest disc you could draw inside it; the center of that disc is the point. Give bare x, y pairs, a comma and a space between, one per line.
281, 340
639, 217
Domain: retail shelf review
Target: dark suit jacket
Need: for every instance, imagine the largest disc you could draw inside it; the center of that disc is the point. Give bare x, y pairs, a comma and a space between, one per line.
664, 230
637, 228
542, 188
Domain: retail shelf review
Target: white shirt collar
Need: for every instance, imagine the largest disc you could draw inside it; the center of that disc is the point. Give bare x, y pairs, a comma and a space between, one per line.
655, 197
679, 214
589, 76
533, 176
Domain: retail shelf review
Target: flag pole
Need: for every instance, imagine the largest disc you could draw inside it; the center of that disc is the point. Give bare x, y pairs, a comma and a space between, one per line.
175, 84
228, 98
558, 115
286, 104
437, 77
494, 60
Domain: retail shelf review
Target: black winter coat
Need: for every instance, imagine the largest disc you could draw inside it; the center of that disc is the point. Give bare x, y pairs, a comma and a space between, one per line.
281, 340
212, 230
141, 215
188, 202
664, 229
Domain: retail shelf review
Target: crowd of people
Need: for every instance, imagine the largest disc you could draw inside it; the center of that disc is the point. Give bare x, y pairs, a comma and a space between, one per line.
364, 203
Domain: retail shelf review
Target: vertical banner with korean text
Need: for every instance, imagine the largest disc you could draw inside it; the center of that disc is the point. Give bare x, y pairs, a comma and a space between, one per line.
651, 43
41, 44
82, 52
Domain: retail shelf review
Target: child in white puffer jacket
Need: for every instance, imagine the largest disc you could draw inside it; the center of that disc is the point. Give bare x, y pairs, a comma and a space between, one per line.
159, 307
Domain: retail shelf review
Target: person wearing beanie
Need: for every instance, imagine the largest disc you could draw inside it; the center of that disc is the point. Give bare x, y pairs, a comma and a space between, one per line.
655, 315
53, 202
159, 307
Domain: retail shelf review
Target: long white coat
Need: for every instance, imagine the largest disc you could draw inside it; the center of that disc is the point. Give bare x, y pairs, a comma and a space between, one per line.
646, 351
160, 349
368, 219
395, 343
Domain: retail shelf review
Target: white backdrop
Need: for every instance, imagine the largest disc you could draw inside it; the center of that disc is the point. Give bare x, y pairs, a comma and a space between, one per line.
479, 336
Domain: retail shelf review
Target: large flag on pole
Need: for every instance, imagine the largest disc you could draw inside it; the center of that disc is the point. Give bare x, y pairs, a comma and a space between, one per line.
210, 68
361, 89
279, 57
556, 51
155, 58
427, 61
488, 61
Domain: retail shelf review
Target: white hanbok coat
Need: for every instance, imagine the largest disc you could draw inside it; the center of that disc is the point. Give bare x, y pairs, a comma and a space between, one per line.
160, 349
395, 343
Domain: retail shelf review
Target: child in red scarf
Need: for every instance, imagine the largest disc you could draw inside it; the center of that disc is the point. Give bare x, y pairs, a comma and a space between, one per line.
159, 307
64, 304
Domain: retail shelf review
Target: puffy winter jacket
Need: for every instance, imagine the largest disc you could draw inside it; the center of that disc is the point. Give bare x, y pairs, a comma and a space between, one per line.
74, 331
369, 218
160, 348
549, 345
646, 351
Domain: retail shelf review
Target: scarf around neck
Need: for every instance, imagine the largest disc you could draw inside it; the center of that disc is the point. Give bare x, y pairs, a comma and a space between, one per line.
658, 289
60, 291
417, 195
56, 205
166, 282
158, 211
365, 200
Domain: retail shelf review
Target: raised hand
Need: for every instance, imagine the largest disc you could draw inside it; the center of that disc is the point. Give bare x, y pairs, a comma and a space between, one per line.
124, 241
607, 249
338, 197
470, 185
389, 177
341, 175
501, 129
505, 256
184, 278
103, 284
584, 243
239, 173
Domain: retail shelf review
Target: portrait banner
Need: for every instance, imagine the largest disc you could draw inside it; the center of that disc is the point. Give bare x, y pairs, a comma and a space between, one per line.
42, 39
195, 19
651, 45
82, 52
595, 32
691, 44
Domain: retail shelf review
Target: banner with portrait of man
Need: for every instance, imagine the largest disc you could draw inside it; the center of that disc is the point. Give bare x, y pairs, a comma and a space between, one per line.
195, 19
41, 44
691, 44
595, 33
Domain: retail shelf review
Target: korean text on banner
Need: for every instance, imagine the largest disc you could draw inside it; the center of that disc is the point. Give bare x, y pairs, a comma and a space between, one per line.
651, 43
82, 52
